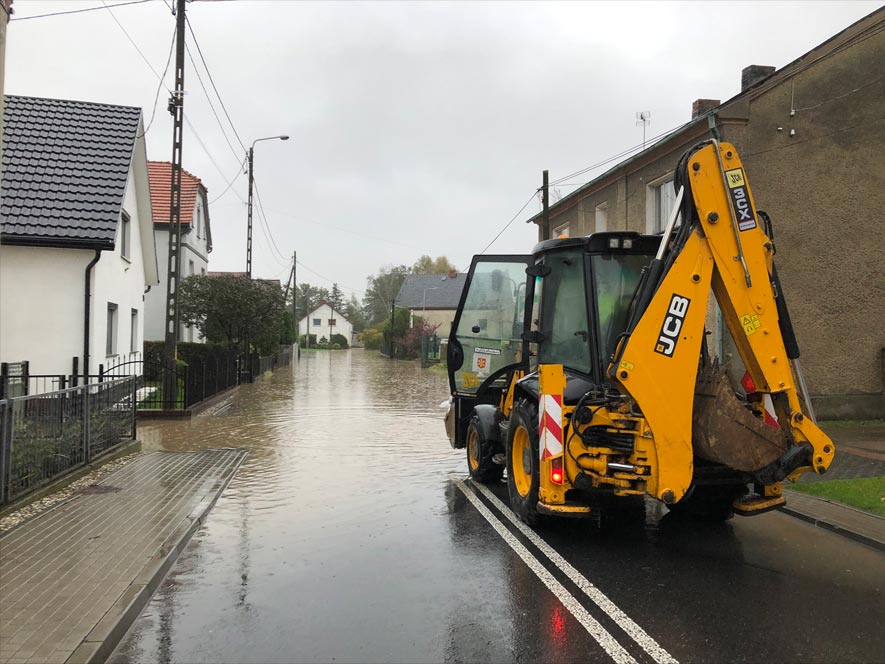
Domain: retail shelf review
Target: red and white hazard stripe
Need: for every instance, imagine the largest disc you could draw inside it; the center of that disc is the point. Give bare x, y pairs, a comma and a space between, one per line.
550, 425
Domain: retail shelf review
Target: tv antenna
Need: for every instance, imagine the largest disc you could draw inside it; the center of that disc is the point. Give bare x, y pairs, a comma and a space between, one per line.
643, 118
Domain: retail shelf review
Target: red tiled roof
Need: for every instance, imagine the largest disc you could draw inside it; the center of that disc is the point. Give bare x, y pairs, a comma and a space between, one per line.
160, 173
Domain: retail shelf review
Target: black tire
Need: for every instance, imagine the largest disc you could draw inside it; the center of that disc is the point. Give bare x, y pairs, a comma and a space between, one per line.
710, 502
523, 484
480, 451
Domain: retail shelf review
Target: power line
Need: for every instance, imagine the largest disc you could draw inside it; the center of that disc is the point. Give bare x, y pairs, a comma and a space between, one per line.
507, 225
231, 183
331, 281
129, 37
212, 81
77, 11
160, 85
211, 105
263, 217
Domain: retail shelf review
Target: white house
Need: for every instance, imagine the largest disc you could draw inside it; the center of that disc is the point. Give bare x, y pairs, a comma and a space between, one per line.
324, 321
76, 239
196, 243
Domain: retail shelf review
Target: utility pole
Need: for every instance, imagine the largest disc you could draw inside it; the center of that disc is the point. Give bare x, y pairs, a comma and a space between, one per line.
249, 213
295, 293
545, 200
176, 108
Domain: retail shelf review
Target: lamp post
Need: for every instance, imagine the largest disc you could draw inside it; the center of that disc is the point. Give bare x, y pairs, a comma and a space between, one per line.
251, 180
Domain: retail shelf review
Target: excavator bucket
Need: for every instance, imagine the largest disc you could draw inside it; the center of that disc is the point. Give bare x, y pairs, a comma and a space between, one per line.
726, 432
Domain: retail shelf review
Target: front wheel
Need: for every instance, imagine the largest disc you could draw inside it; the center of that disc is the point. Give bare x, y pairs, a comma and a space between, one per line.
523, 466
480, 451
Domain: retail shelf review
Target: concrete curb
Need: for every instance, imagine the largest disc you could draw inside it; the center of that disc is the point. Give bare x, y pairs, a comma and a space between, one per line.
832, 525
113, 626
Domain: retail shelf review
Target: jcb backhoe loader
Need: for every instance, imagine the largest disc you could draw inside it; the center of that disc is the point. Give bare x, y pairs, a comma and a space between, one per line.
583, 367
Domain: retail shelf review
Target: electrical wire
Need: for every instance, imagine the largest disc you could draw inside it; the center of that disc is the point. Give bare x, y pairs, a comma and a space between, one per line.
78, 11
340, 285
507, 225
160, 86
231, 182
212, 82
264, 216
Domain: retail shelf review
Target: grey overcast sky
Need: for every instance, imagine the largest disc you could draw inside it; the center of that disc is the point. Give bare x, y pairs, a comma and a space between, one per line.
416, 127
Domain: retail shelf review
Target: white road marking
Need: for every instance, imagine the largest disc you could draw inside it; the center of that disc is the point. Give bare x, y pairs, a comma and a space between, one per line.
595, 594
597, 631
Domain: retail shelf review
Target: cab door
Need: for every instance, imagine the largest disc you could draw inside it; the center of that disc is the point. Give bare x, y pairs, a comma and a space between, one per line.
486, 343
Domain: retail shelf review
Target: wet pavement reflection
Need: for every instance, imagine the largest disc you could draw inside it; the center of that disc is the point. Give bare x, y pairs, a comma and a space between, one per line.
345, 538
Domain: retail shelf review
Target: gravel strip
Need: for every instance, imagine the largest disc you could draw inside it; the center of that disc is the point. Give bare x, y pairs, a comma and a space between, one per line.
36, 508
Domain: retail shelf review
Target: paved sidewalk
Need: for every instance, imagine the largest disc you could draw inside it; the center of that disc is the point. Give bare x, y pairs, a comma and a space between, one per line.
860, 452
74, 578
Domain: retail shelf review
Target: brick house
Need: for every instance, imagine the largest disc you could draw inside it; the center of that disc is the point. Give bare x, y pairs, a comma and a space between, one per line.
811, 135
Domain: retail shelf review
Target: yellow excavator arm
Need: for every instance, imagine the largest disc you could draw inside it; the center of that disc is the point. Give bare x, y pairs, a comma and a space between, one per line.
719, 247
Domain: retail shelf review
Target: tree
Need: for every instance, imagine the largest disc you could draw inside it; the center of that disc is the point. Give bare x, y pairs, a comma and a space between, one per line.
229, 309
309, 298
428, 265
381, 291
355, 314
336, 298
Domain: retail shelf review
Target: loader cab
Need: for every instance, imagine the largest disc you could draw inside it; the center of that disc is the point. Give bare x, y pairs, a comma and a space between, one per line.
566, 303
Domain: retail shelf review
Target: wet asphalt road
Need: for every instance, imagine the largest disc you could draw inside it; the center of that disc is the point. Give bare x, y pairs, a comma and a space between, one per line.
349, 535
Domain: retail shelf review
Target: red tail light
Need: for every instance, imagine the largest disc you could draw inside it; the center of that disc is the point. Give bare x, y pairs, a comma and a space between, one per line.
556, 470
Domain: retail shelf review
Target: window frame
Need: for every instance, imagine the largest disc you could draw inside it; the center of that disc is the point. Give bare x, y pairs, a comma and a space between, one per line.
603, 208
112, 328
133, 330
654, 222
125, 235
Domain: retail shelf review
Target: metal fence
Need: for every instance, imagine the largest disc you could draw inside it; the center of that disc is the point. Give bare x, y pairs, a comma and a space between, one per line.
262, 364
44, 436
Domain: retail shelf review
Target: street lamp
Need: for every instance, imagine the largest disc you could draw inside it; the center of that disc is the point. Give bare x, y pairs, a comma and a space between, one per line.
251, 179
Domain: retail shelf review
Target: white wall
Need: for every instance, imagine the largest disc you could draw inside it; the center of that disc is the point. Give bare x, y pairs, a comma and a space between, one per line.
324, 313
41, 306
194, 247
121, 281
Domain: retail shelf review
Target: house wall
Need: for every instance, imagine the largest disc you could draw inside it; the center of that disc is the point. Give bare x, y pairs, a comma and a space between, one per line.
42, 295
441, 317
121, 281
194, 247
324, 313
824, 188
42, 291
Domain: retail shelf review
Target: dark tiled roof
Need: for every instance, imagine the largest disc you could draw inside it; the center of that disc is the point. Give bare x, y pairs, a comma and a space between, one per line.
65, 167
431, 291
160, 173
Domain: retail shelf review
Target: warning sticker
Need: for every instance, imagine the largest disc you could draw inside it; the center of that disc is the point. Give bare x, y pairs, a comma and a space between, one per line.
751, 324
481, 364
740, 198
629, 366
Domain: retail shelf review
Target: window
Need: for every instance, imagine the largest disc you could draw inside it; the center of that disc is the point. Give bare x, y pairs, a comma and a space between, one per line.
111, 343
565, 328
125, 232
331, 322
660, 201
560, 231
317, 322
133, 331
190, 268
198, 214
203, 271
602, 218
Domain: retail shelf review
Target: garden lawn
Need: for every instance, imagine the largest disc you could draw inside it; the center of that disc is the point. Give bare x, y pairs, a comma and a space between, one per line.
866, 494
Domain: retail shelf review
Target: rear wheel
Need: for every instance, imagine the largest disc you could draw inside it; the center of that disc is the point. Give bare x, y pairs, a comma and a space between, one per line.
523, 467
710, 502
480, 451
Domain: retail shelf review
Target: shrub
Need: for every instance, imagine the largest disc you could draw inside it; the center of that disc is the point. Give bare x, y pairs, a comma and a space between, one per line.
303, 340
340, 340
372, 338
336, 346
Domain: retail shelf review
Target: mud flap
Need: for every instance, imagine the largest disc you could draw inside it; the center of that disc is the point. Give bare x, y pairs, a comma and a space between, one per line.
724, 431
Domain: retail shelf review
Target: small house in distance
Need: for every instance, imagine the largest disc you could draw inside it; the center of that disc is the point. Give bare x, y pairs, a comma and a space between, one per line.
323, 322
433, 297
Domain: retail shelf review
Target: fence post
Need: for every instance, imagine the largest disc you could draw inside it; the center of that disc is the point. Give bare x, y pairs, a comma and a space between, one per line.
134, 408
87, 425
4, 379
26, 377
75, 376
5, 444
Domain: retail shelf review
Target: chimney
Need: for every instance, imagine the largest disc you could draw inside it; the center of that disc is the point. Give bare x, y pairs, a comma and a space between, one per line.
751, 75
701, 107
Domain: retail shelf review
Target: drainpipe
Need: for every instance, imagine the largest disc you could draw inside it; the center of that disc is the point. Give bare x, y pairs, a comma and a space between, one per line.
86, 303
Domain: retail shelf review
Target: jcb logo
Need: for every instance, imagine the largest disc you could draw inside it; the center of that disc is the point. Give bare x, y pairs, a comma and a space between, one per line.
669, 334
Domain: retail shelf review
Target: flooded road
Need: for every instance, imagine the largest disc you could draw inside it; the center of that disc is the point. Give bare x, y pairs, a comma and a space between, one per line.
350, 535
